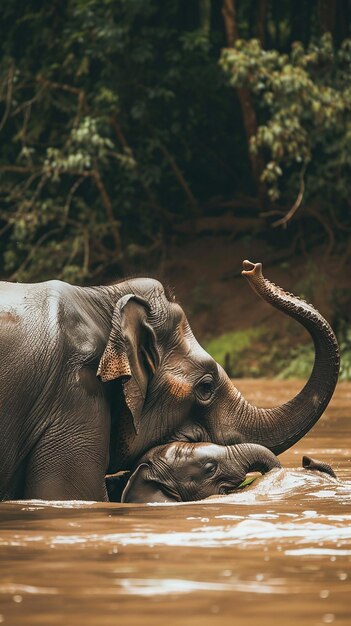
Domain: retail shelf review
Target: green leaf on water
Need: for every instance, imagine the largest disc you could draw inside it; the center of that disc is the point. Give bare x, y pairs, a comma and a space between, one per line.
248, 481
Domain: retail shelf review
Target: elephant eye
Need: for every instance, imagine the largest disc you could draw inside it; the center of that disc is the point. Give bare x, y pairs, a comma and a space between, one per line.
210, 468
225, 489
204, 389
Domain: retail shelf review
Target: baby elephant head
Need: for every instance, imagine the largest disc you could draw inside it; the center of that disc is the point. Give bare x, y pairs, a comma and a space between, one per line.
181, 472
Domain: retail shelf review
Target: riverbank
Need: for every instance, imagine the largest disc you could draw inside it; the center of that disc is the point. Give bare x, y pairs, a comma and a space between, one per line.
230, 320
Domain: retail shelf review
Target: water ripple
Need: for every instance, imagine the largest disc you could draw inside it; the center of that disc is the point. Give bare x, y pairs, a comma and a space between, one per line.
253, 530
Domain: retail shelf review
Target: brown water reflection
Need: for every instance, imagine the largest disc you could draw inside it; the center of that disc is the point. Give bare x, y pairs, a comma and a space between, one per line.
282, 557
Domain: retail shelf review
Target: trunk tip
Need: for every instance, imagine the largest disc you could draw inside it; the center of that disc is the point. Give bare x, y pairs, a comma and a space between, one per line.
312, 464
306, 462
251, 269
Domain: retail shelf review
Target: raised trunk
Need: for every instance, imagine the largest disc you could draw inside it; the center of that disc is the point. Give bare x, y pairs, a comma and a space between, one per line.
279, 428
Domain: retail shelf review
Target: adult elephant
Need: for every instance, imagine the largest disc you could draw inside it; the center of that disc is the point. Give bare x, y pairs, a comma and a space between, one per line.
91, 378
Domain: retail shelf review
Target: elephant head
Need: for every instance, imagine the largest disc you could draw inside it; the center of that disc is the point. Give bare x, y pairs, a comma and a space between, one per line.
174, 391
181, 472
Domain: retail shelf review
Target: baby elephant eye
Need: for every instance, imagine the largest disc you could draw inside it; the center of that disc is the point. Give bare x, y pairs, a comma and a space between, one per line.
210, 468
204, 389
224, 490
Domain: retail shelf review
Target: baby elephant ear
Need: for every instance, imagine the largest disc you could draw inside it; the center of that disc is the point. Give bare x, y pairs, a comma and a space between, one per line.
140, 488
131, 352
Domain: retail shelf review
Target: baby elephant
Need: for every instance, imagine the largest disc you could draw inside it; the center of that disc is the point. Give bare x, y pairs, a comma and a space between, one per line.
181, 471
193, 471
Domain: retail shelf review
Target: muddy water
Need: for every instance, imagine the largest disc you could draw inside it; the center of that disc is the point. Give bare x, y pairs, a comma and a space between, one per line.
278, 554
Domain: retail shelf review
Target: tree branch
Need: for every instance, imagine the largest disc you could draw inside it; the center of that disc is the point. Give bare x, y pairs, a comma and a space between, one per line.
32, 251
71, 193
80, 93
106, 201
10, 77
329, 231
17, 169
148, 192
284, 220
180, 178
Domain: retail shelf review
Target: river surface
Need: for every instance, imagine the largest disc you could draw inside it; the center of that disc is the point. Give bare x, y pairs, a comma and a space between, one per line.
278, 553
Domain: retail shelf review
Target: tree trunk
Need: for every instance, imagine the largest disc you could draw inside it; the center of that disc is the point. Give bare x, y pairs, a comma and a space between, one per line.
327, 10
247, 109
205, 16
261, 21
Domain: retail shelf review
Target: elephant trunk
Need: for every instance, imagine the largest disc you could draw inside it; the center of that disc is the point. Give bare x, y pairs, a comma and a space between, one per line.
251, 457
279, 428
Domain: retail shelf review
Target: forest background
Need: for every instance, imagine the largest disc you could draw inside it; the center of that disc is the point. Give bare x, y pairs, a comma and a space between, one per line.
174, 139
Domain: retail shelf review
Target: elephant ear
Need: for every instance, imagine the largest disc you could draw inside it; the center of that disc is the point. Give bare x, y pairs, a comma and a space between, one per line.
140, 488
131, 352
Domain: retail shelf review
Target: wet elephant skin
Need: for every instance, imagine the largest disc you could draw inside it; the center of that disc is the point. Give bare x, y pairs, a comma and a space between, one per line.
92, 378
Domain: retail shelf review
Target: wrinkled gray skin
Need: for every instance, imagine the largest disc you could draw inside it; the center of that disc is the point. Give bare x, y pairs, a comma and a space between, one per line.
319, 466
184, 472
181, 472
92, 378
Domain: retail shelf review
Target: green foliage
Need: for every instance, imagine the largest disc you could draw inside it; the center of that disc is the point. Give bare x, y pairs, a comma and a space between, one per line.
242, 350
298, 363
304, 103
312, 283
118, 123
231, 349
257, 352
345, 361
108, 133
